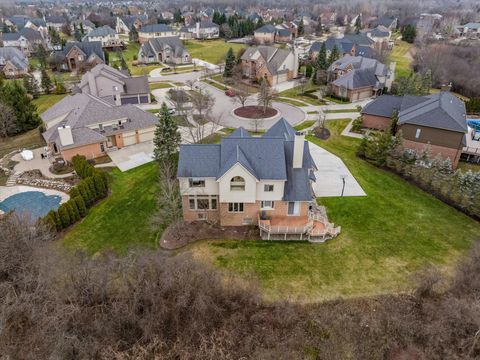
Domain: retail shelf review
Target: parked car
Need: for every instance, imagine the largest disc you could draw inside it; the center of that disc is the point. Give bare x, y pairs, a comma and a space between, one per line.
166, 69
230, 93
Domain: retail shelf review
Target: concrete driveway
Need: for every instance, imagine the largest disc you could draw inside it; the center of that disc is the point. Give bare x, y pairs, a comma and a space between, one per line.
329, 175
132, 156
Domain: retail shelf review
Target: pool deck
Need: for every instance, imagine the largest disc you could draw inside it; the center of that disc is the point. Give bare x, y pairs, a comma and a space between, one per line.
6, 192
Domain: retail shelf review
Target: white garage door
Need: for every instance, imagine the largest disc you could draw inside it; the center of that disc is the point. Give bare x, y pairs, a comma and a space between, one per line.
364, 94
129, 139
282, 78
146, 135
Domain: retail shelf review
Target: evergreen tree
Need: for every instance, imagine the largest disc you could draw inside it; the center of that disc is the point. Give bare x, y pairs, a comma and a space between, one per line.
358, 24
42, 56
64, 215
107, 57
334, 56
133, 35
409, 33
77, 34
73, 211
15, 95
46, 81
229, 63
301, 27
319, 28
177, 16
91, 188
321, 62
100, 187
82, 30
167, 138
82, 208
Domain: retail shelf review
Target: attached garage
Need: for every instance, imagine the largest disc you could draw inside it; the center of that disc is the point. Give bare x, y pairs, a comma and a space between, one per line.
146, 134
129, 138
280, 78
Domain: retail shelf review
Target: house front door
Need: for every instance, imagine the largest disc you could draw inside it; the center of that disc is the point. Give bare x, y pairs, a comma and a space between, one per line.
293, 208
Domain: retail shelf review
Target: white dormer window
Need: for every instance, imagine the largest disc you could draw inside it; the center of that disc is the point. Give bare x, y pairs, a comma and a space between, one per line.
268, 188
237, 183
100, 127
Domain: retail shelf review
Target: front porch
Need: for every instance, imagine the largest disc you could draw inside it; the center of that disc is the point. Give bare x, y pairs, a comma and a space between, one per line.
314, 227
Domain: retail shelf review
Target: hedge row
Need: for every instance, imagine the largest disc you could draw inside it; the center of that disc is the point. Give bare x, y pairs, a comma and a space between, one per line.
92, 187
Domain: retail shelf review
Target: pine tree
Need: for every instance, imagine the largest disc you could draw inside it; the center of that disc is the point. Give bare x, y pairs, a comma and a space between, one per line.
64, 215
229, 63
46, 81
107, 57
409, 33
167, 138
82, 30
358, 24
334, 56
320, 65
80, 202
319, 28
100, 187
14, 95
42, 56
301, 27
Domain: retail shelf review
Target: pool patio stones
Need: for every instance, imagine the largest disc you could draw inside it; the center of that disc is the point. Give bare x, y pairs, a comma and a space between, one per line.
6, 192
330, 170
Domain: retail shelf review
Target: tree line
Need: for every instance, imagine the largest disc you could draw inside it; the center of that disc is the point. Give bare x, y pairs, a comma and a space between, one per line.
92, 187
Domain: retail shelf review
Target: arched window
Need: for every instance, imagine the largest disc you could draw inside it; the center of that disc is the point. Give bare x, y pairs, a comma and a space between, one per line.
237, 184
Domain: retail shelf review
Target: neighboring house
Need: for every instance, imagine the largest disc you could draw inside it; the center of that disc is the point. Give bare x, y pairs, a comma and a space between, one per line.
380, 34
344, 47
13, 62
389, 22
17, 22
82, 56
153, 31
112, 85
106, 35
124, 24
86, 24
270, 63
269, 34
244, 177
168, 50
357, 78
86, 125
437, 120
472, 29
204, 29
55, 22
27, 40
38, 24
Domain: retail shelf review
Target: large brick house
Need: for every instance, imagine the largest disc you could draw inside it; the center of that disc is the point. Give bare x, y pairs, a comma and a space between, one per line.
79, 56
87, 125
13, 63
438, 120
168, 50
234, 181
270, 63
358, 77
153, 31
269, 34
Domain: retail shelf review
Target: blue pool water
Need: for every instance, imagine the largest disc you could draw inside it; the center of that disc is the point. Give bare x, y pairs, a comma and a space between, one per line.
34, 202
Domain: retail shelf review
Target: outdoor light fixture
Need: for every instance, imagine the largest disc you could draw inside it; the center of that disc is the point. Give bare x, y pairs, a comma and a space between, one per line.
343, 177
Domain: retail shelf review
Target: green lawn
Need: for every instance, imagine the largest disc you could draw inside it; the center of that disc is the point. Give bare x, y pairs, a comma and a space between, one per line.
294, 93
465, 166
399, 55
159, 85
43, 102
122, 220
386, 236
336, 101
304, 125
128, 54
213, 51
30, 140
291, 102
340, 111
214, 84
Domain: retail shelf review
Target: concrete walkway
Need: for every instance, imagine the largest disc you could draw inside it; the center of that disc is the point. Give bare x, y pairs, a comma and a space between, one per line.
331, 169
347, 131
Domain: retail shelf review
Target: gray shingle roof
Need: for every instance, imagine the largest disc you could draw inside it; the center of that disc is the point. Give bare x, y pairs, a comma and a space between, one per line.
366, 72
82, 110
272, 55
441, 111
15, 56
88, 48
101, 31
154, 28
268, 28
154, 46
267, 158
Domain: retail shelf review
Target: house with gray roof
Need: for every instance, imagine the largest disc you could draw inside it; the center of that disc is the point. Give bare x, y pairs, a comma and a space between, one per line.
471, 29
124, 24
56, 22
152, 31
81, 56
205, 29
168, 50
17, 22
271, 63
26, 40
105, 35
115, 86
86, 125
437, 121
358, 77
269, 34
13, 62
245, 180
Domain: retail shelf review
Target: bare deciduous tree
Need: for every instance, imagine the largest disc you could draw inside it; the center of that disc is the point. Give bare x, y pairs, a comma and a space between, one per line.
266, 96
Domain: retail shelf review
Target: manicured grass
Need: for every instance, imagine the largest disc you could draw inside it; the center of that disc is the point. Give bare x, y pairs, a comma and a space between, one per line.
404, 61
386, 236
340, 111
43, 102
291, 102
28, 140
214, 84
294, 93
336, 101
465, 166
159, 85
304, 125
213, 51
122, 220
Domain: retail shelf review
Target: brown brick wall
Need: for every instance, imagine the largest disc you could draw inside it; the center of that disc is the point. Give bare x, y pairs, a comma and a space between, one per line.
89, 151
445, 152
376, 122
192, 215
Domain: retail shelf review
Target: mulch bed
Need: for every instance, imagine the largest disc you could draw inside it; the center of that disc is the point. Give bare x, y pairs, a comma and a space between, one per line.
254, 112
321, 133
184, 233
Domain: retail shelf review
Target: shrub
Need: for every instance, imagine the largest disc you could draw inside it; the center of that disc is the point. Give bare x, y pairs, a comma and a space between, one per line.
64, 216
357, 124
80, 203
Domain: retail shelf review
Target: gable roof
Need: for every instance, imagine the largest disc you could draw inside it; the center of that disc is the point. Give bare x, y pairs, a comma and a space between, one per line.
269, 157
154, 28
87, 47
442, 110
80, 111
273, 57
129, 20
366, 72
267, 28
101, 31
15, 56
153, 46
55, 19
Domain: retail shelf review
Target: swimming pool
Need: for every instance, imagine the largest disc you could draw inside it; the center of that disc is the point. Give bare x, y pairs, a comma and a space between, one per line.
34, 202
